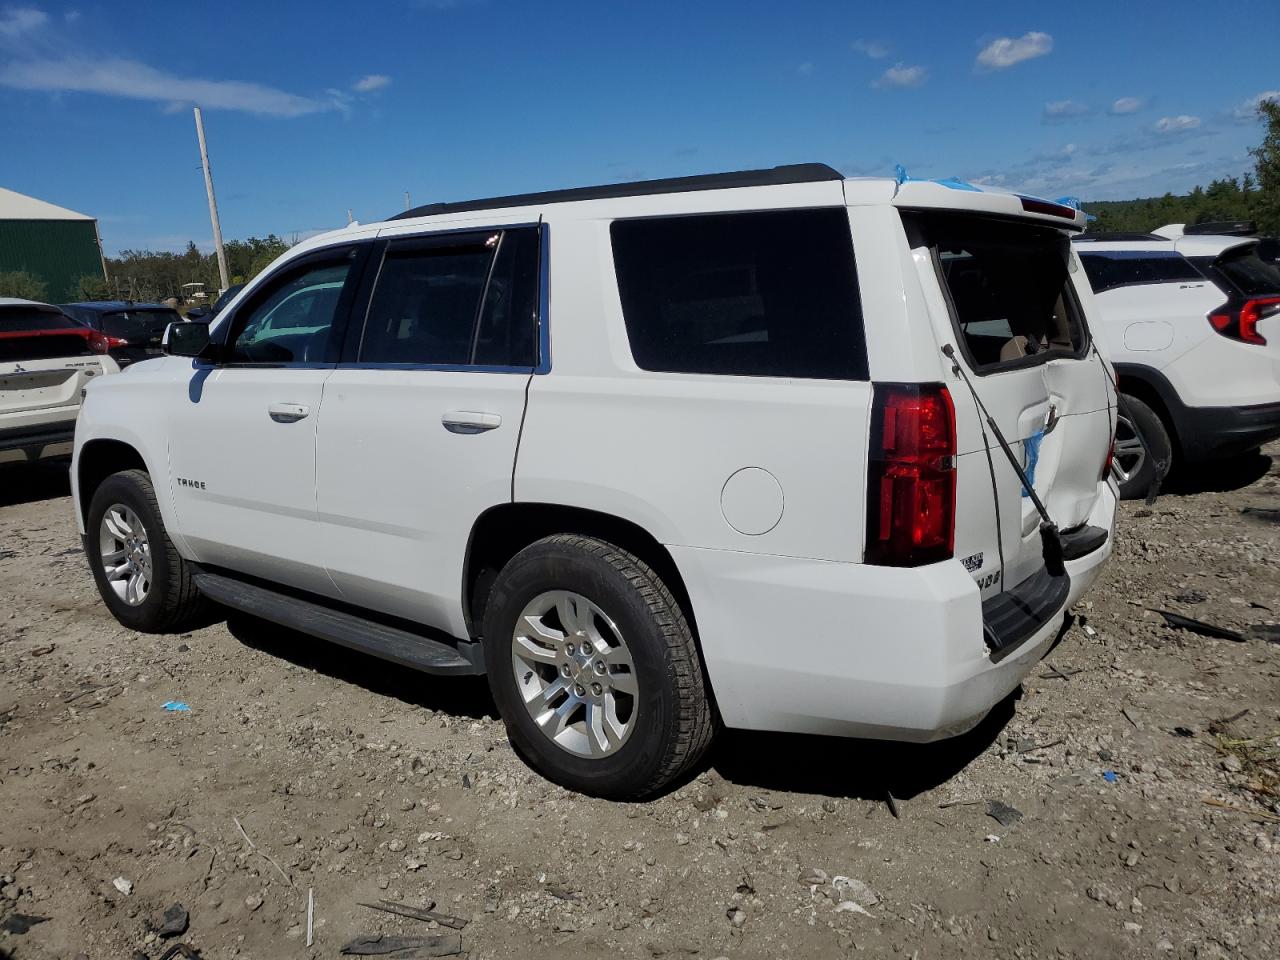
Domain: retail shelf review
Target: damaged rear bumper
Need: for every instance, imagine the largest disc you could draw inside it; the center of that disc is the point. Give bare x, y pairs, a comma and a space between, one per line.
848, 649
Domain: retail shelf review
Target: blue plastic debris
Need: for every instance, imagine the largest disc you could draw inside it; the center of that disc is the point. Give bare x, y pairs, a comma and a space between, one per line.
177, 706
900, 174
1109, 776
952, 183
1032, 447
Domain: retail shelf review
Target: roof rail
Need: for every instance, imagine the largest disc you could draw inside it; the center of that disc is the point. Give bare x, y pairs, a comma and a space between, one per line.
773, 176
1226, 228
1112, 235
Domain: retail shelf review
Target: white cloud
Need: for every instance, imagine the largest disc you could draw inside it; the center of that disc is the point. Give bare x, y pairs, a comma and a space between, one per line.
139, 81
1064, 110
1128, 105
805, 68
15, 21
900, 76
371, 82
1178, 124
1249, 109
1004, 52
874, 49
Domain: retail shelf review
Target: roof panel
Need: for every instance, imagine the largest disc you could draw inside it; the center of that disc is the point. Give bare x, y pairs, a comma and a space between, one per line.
18, 206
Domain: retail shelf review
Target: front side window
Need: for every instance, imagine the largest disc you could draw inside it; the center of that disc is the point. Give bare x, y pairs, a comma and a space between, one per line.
464, 302
1008, 285
771, 294
291, 319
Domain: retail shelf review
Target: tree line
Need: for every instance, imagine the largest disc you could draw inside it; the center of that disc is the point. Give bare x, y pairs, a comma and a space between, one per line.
1254, 196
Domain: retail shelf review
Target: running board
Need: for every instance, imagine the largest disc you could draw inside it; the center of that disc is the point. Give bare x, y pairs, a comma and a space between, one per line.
358, 633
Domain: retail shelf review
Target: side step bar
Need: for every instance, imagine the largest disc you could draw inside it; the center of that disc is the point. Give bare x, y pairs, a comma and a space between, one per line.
390, 643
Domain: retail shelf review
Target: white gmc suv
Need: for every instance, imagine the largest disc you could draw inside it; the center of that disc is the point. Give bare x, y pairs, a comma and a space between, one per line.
1192, 325
774, 450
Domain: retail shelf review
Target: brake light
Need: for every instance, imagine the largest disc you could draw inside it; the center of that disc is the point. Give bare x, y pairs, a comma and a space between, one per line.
1242, 324
911, 490
101, 343
1111, 456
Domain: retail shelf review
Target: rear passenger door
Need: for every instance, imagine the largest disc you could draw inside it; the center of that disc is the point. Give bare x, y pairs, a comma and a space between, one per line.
419, 423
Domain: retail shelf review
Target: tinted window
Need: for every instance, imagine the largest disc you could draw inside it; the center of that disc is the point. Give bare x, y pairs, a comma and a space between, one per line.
290, 320
17, 318
1248, 273
1008, 285
1117, 268
747, 294
138, 324
470, 302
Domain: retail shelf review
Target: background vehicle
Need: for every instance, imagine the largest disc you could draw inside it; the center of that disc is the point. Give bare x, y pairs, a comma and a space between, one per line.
136, 329
208, 313
653, 457
1192, 326
46, 359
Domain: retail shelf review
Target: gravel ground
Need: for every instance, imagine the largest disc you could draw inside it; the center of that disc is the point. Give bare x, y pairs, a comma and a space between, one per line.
1145, 822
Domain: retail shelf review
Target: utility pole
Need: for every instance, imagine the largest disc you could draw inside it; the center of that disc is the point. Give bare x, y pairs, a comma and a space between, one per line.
406, 199
213, 204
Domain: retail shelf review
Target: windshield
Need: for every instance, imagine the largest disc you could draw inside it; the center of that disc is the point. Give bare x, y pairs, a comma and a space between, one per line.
137, 324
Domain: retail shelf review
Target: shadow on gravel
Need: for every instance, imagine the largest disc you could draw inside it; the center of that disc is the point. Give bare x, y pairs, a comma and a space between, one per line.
858, 769
30, 482
1218, 476
457, 696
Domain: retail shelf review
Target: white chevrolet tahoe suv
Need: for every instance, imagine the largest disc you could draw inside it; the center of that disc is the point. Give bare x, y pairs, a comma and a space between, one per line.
654, 457
1192, 325
46, 360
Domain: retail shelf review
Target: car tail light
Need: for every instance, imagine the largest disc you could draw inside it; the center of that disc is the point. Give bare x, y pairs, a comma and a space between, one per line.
911, 490
1111, 457
101, 343
1242, 324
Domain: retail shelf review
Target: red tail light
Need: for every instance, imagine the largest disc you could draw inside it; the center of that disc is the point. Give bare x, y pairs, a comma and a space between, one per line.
1111, 456
1242, 324
101, 343
911, 490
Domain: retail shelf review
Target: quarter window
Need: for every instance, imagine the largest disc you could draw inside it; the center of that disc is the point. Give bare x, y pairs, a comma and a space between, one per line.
456, 303
748, 294
292, 320
1108, 269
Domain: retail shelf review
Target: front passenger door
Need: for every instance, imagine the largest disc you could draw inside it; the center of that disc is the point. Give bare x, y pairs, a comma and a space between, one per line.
242, 442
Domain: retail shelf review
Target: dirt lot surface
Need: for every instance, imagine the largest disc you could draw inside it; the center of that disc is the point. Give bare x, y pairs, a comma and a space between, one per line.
1144, 822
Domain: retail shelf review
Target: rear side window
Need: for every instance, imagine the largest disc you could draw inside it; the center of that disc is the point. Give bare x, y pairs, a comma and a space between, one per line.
1108, 269
138, 324
1008, 285
747, 294
468, 302
13, 319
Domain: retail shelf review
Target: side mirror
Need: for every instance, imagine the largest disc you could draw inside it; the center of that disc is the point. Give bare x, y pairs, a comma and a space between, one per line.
188, 338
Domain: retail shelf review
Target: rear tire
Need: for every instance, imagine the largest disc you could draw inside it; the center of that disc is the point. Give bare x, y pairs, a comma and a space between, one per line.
649, 718
143, 581
1139, 465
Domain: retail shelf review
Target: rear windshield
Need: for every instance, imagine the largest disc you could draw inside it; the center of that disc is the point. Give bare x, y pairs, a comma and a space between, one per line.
30, 318
1011, 298
1248, 273
1108, 269
24, 335
746, 294
137, 324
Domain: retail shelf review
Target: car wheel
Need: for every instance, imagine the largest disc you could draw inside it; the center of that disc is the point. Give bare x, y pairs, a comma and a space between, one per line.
594, 669
1136, 465
145, 584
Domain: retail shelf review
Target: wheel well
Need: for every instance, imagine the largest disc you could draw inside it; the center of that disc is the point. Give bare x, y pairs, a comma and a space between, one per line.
1137, 387
99, 459
502, 532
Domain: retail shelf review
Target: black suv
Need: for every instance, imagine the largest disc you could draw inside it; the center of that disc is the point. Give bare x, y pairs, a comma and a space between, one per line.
134, 330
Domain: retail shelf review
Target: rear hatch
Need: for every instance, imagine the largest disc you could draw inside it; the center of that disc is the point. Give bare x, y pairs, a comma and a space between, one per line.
140, 330
1014, 300
46, 358
1252, 287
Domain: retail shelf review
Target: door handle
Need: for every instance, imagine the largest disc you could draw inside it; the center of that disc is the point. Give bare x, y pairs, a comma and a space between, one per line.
288, 412
470, 421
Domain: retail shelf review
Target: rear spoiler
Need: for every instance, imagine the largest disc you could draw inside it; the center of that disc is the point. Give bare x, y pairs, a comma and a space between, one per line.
959, 196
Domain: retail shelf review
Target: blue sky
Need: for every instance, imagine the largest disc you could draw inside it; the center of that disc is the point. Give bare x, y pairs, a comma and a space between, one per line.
311, 110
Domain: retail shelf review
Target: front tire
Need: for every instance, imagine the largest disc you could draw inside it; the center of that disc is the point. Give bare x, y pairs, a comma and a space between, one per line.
1139, 466
594, 669
143, 581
